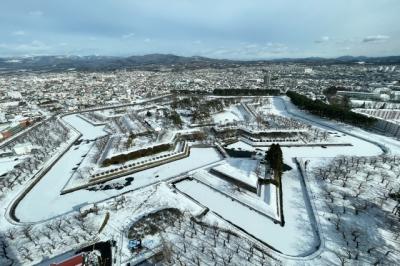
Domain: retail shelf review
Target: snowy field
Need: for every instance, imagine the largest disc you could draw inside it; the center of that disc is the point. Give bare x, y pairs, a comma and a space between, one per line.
44, 200
7, 164
241, 169
282, 106
232, 114
357, 194
297, 237
356, 214
87, 130
358, 148
295, 205
290, 240
185, 238
265, 203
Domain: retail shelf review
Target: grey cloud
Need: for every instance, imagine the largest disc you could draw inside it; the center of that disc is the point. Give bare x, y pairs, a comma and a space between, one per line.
376, 38
128, 35
323, 39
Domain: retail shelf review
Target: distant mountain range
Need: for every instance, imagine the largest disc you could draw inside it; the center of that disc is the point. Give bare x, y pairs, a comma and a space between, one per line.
159, 62
344, 60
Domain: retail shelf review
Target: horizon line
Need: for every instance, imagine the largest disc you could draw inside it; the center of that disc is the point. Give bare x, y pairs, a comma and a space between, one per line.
194, 56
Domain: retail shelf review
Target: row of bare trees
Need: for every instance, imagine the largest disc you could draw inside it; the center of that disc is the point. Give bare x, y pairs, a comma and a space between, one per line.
355, 195
94, 116
46, 138
199, 243
31, 243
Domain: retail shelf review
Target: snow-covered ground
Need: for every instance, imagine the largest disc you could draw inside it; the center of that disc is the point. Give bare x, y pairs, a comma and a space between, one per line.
241, 169
148, 193
8, 163
87, 130
295, 238
265, 203
355, 212
44, 200
231, 114
282, 106
182, 234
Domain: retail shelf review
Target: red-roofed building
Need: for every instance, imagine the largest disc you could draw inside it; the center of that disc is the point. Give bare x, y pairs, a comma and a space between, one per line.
77, 260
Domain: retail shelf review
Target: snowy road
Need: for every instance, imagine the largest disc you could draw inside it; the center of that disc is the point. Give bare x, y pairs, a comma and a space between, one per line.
355, 135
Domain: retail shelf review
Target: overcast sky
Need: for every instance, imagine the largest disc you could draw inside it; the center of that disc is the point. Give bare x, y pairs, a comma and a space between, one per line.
236, 29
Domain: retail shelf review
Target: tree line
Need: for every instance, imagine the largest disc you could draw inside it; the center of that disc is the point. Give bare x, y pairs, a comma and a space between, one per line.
231, 92
136, 154
330, 111
176, 119
246, 92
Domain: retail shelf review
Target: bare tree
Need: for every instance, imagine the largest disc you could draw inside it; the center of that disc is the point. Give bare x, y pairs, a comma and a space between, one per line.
27, 232
10, 233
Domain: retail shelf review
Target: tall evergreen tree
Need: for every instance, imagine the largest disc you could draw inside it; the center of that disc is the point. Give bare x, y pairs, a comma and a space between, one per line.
275, 159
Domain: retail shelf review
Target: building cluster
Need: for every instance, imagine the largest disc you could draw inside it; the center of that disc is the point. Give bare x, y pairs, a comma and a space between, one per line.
30, 96
361, 82
388, 120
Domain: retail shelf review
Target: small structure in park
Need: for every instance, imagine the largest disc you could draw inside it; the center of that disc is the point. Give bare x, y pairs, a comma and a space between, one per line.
135, 244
